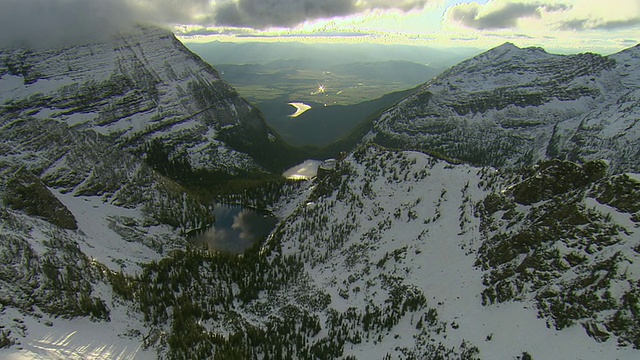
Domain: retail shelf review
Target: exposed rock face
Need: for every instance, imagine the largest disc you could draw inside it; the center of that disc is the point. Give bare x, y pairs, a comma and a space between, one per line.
512, 106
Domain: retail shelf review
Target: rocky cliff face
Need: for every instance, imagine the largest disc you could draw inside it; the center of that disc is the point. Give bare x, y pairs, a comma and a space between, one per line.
512, 106
137, 87
80, 121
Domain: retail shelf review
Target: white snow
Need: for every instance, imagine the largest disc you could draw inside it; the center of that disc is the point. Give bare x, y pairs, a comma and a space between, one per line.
78, 338
45, 113
80, 118
9, 84
12, 87
102, 243
634, 176
44, 337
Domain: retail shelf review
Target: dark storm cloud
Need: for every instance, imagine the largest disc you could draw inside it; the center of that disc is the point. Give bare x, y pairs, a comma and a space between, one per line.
174, 11
506, 17
43, 23
287, 13
502, 18
629, 42
38, 23
264, 13
574, 24
204, 31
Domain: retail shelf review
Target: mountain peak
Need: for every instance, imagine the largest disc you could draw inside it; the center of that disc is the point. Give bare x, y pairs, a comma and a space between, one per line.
509, 50
507, 46
631, 54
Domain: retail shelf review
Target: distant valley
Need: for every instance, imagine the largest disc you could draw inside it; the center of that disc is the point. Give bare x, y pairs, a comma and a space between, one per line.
322, 125
343, 84
306, 81
340, 97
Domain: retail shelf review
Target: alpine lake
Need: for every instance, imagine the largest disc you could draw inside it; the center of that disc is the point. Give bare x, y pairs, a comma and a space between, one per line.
236, 229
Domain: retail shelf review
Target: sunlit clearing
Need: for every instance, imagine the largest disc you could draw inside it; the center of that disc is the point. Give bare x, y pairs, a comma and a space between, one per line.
298, 177
303, 171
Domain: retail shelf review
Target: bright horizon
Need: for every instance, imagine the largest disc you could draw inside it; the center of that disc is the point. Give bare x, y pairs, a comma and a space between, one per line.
563, 26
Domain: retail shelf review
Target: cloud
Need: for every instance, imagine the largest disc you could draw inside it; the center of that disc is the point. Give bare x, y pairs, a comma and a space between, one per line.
549, 15
619, 24
628, 42
284, 13
505, 16
244, 222
288, 13
37, 23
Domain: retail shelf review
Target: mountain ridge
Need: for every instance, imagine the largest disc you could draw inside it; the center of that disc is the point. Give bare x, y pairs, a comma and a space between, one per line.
527, 108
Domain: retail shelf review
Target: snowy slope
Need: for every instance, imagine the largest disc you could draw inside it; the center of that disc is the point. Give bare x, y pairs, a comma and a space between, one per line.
56, 339
404, 220
512, 106
56, 295
47, 271
393, 254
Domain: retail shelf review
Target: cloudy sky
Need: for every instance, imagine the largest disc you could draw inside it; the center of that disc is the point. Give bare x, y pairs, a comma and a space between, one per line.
561, 25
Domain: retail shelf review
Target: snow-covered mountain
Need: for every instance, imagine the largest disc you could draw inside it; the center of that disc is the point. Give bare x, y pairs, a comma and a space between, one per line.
115, 122
387, 254
455, 261
141, 85
512, 106
87, 135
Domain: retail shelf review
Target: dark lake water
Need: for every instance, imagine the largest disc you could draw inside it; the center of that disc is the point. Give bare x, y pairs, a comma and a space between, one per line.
235, 230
